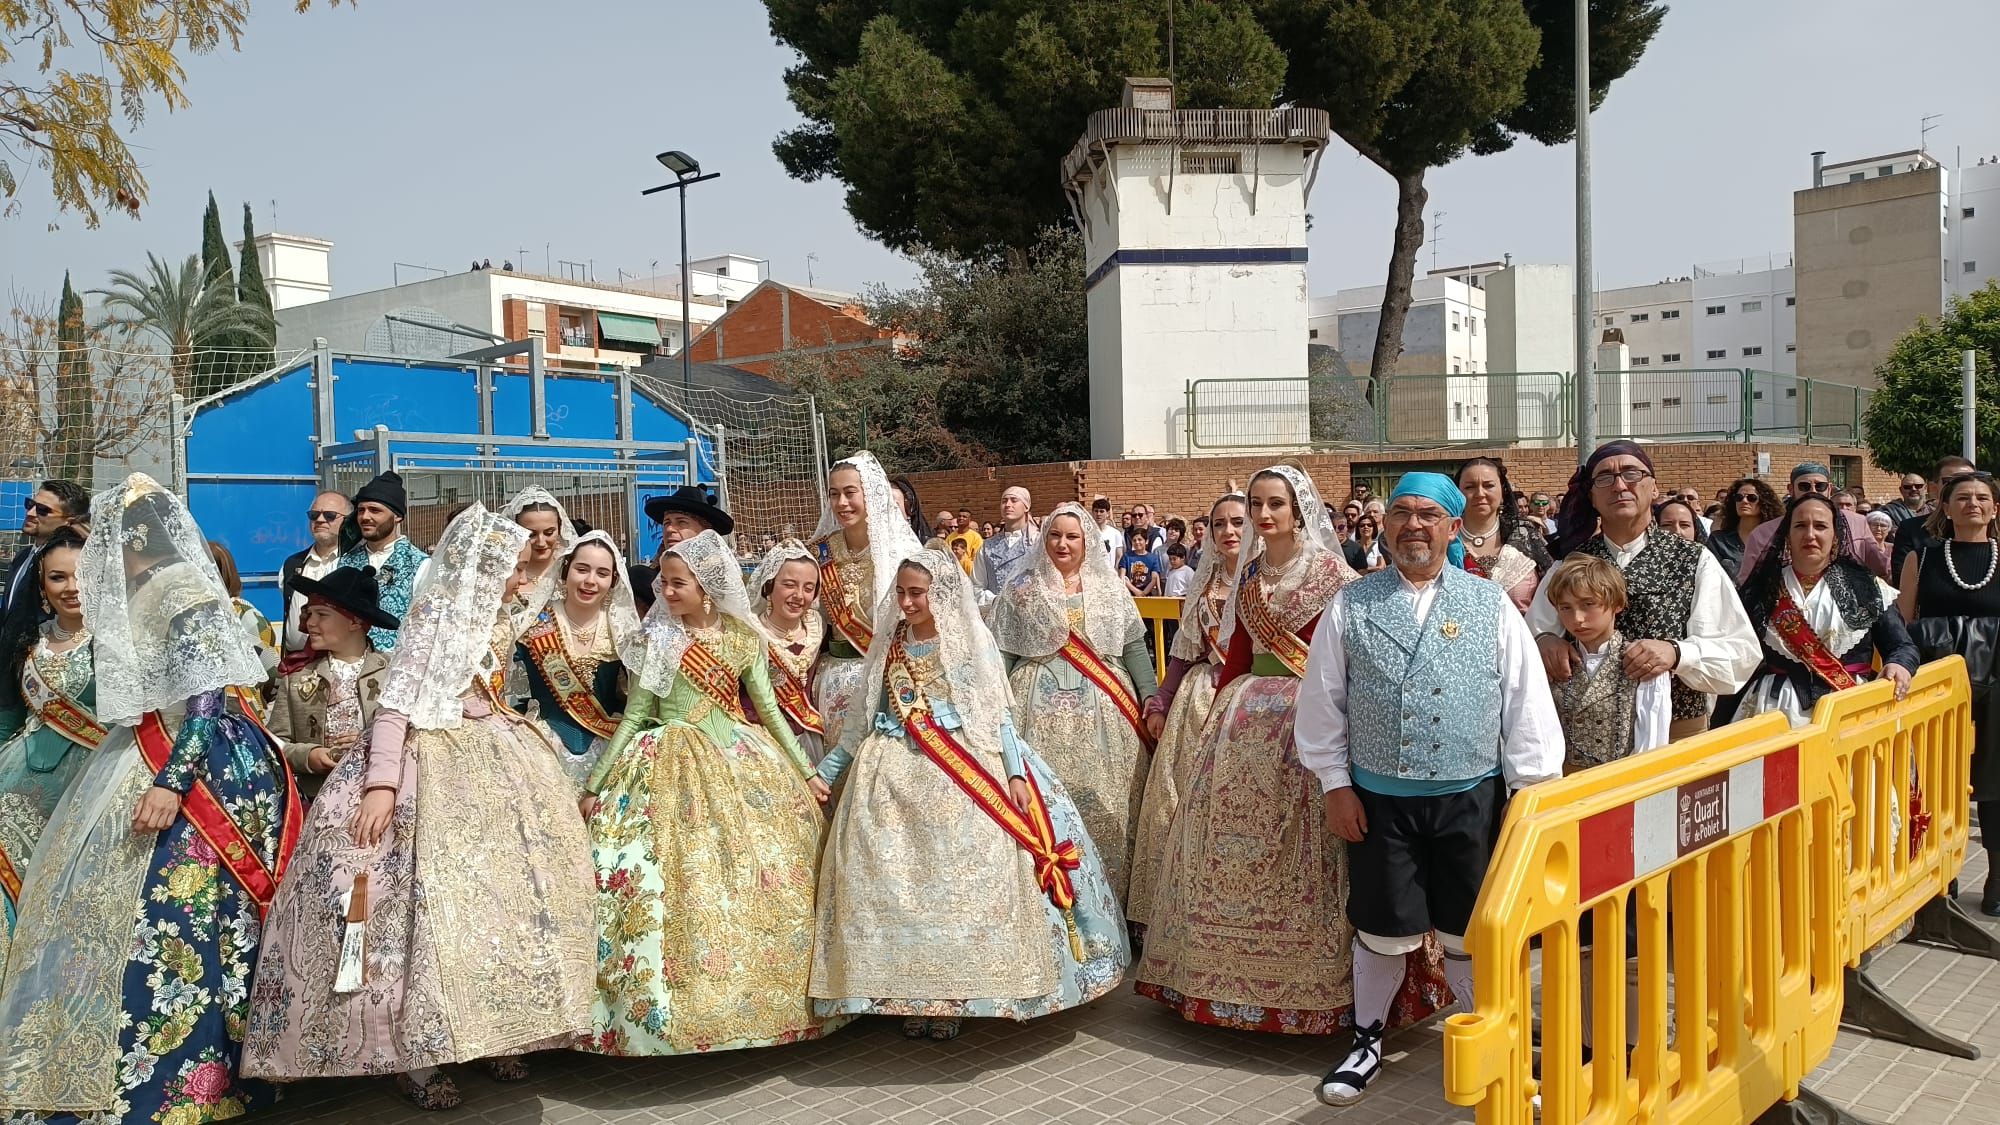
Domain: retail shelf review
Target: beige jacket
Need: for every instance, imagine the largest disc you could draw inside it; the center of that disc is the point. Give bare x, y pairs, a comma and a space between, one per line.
298, 713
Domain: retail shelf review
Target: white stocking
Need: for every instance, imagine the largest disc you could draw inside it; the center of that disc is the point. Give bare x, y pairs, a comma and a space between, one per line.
1377, 976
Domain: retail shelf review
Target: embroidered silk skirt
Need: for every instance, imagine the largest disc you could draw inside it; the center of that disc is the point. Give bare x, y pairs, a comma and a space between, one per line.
1089, 743
1173, 757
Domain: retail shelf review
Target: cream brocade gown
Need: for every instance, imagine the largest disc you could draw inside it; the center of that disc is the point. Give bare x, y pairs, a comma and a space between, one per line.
1173, 757
838, 678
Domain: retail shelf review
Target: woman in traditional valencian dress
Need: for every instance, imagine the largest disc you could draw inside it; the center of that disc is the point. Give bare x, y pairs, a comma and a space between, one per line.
958, 879
1499, 547
551, 538
705, 834
575, 651
860, 539
46, 717
473, 927
1081, 676
1249, 927
1178, 713
782, 594
142, 913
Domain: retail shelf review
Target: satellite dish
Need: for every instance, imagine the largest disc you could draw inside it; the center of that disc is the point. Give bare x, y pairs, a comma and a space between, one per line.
415, 332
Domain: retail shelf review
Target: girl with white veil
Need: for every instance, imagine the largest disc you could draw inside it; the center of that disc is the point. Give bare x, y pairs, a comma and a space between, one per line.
551, 537
142, 911
705, 834
1076, 653
1249, 927
783, 593
958, 879
860, 539
578, 649
1178, 713
454, 841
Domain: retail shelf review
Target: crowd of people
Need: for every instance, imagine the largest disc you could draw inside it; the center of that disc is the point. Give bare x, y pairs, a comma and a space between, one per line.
517, 793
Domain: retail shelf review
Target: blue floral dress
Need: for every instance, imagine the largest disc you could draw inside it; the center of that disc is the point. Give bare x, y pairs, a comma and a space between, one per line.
37, 763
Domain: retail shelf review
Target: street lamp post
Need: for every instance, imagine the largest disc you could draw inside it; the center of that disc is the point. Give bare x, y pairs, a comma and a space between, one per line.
687, 171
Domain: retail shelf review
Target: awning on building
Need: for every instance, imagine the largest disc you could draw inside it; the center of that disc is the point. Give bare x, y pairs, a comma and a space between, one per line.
627, 329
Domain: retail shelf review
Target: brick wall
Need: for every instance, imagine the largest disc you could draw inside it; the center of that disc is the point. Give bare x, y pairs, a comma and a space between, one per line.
757, 327
1187, 485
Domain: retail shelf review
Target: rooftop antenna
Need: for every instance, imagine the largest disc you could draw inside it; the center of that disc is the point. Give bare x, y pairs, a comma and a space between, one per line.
1925, 125
274, 214
1437, 229
810, 259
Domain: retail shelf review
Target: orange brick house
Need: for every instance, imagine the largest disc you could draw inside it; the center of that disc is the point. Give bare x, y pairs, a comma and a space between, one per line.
775, 321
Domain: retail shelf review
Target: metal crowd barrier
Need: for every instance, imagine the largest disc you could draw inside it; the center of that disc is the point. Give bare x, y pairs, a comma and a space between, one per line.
1745, 872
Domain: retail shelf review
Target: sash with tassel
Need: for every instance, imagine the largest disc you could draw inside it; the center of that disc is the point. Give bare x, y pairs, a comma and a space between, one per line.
544, 642
833, 598
1085, 659
713, 678
204, 811
793, 696
1031, 828
59, 712
1256, 613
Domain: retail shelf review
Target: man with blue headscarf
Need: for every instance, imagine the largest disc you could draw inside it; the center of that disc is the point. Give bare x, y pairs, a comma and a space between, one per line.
1424, 705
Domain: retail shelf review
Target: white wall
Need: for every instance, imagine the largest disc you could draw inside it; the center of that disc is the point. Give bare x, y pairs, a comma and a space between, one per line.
1975, 240
1531, 313
1655, 319
1755, 329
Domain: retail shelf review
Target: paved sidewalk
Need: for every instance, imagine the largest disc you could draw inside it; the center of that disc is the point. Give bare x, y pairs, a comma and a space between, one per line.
1126, 1059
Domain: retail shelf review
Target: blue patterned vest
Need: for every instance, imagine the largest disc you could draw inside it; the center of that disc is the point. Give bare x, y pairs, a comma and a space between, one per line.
397, 580
1423, 698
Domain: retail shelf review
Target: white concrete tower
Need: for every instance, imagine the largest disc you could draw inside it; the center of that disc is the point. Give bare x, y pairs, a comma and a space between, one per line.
1194, 227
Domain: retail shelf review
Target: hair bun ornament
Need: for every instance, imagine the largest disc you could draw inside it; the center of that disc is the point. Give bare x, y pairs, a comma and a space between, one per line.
136, 536
140, 485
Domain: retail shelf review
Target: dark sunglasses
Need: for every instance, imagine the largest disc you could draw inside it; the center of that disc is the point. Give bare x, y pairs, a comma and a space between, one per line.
318, 515
36, 508
1747, 498
1913, 488
1816, 486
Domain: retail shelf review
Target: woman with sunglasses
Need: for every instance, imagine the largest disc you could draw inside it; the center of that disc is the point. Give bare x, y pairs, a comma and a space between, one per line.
1750, 503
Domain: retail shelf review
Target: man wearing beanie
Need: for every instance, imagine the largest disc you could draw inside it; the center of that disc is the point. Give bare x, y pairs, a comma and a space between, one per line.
1808, 478
379, 509
1422, 707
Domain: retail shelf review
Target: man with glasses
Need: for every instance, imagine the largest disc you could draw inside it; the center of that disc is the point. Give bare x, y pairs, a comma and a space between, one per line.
1543, 509
1142, 520
1682, 614
324, 520
1692, 498
1912, 535
1810, 478
53, 506
1912, 499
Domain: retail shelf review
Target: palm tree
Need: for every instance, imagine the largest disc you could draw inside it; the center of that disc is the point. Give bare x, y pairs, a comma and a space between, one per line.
189, 314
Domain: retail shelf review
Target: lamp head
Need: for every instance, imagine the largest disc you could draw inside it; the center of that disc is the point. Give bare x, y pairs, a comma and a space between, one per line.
679, 163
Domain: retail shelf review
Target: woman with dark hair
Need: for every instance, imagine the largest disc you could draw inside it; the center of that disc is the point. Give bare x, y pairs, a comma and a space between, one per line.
1750, 503
253, 619
576, 649
1822, 618
1496, 543
1679, 518
913, 509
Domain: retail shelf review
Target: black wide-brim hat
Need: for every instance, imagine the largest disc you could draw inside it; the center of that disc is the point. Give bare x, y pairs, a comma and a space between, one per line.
352, 589
696, 502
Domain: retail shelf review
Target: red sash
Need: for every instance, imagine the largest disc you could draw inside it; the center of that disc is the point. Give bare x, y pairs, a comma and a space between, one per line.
833, 598
205, 812
713, 678
59, 712
793, 696
1031, 828
544, 643
1084, 659
1256, 613
1789, 622
10, 883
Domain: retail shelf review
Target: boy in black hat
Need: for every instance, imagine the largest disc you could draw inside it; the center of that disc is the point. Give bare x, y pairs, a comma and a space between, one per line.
328, 691
379, 509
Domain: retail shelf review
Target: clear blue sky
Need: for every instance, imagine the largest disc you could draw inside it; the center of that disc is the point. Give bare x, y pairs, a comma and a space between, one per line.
447, 130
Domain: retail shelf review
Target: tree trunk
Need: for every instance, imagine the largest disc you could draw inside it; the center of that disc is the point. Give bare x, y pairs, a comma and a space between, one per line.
1411, 196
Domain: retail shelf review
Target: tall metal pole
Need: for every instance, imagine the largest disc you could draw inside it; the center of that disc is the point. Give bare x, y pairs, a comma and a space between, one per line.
1968, 375
687, 324
1586, 302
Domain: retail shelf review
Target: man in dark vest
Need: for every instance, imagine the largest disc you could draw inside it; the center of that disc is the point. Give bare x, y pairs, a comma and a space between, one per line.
1682, 615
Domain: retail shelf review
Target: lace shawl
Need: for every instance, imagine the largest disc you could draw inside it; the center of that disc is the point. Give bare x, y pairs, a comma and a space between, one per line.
715, 568
621, 612
1316, 535
1031, 618
536, 597
890, 539
447, 635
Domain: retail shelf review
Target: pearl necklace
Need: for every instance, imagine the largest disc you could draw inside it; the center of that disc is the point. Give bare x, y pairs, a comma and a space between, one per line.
1466, 534
60, 635
1992, 566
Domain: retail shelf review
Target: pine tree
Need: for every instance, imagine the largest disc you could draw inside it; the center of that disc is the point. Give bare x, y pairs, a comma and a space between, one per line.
250, 290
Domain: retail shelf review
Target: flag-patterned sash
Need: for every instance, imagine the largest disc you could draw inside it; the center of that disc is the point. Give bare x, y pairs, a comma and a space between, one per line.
1256, 613
1084, 659
544, 642
833, 596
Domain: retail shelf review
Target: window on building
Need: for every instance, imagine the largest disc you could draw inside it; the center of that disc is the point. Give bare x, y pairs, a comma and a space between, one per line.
1670, 357
1472, 325
1853, 177
1753, 306
1211, 163
1718, 400
1458, 412
1791, 301
1790, 348
1607, 322
575, 330
1971, 267
1670, 402
1641, 361
1642, 406
1753, 351
1718, 353
1312, 334
1454, 322
1670, 314
722, 270
1641, 318
1886, 170
1455, 370
1717, 310
1791, 392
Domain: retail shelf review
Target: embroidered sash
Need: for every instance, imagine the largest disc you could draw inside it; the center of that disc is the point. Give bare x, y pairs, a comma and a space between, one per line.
212, 820
544, 642
10, 889
59, 712
793, 694
1278, 640
1084, 659
1031, 828
713, 678
834, 599
1789, 622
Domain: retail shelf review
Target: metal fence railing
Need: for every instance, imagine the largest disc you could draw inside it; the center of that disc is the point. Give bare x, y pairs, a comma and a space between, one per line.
1504, 408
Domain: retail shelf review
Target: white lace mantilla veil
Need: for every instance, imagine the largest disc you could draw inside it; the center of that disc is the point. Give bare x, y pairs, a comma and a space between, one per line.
1030, 618
620, 610
538, 595
890, 539
966, 652
767, 569
161, 622
447, 635
721, 578
1315, 527
1189, 644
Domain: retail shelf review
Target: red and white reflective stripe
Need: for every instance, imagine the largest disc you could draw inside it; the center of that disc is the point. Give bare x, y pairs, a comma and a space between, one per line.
1630, 842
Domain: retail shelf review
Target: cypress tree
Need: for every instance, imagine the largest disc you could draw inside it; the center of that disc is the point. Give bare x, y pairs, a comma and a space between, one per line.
215, 251
250, 291
218, 358
69, 452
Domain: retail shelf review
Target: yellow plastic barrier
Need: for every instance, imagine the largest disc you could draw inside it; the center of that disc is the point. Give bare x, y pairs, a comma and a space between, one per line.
1157, 612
